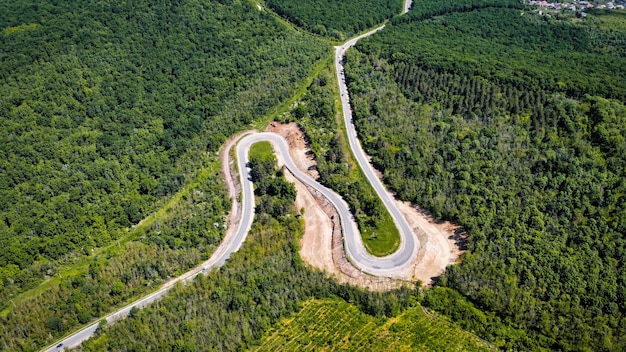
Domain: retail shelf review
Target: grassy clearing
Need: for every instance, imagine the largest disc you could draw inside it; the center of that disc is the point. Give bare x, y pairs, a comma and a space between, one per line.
261, 150
383, 238
334, 325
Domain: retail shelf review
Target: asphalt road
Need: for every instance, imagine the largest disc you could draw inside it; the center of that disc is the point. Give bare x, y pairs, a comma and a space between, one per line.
219, 257
409, 243
380, 266
352, 239
407, 6
78, 337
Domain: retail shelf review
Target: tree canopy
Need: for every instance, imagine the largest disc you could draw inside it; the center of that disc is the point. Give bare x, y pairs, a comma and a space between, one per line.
336, 19
513, 125
108, 110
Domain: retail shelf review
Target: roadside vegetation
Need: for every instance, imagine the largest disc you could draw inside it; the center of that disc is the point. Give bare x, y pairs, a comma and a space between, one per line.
514, 126
262, 283
111, 112
314, 328
316, 113
274, 195
510, 123
339, 20
174, 242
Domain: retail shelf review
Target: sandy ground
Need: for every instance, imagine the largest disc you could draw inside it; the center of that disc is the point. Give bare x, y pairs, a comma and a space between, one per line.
322, 247
441, 242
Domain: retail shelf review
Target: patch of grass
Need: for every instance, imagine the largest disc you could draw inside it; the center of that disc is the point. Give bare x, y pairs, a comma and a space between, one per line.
261, 150
333, 324
383, 238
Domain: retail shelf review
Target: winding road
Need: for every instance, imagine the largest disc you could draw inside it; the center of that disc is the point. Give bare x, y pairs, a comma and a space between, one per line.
358, 255
355, 250
408, 244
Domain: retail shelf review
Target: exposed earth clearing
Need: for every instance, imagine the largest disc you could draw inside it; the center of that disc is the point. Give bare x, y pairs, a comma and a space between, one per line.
439, 241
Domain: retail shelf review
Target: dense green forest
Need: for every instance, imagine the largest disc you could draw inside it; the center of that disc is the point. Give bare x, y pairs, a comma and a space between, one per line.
339, 20
514, 48
426, 9
274, 195
511, 123
514, 125
264, 281
111, 111
175, 242
104, 116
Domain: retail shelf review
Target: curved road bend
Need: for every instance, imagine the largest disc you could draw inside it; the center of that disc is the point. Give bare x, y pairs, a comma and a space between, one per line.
409, 243
353, 244
379, 266
374, 265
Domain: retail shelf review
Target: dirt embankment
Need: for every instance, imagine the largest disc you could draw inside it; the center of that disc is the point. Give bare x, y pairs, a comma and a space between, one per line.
322, 246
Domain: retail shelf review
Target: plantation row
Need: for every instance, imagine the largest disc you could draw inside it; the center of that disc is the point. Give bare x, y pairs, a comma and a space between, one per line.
473, 97
513, 125
337, 325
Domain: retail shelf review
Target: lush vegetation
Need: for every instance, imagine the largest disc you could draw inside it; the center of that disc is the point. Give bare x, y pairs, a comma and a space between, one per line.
514, 49
231, 308
174, 242
513, 125
336, 19
316, 113
274, 195
425, 9
314, 328
111, 111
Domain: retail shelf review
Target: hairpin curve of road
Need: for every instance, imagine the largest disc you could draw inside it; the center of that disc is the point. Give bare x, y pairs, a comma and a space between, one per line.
353, 245
378, 266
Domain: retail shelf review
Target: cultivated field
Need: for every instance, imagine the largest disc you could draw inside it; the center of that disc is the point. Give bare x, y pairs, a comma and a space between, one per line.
334, 325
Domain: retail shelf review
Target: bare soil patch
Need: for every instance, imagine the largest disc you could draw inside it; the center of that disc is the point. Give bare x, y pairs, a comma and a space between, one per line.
441, 242
298, 148
322, 245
